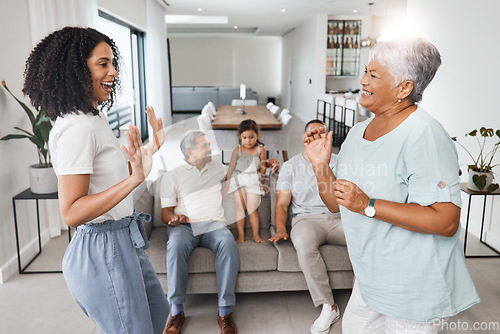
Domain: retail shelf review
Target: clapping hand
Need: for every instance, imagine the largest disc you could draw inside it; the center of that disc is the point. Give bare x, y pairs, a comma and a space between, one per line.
157, 125
135, 152
318, 145
350, 196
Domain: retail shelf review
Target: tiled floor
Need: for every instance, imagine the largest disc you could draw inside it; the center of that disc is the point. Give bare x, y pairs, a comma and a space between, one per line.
41, 303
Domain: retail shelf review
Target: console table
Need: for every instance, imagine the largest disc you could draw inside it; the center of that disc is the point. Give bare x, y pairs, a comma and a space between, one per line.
28, 195
463, 187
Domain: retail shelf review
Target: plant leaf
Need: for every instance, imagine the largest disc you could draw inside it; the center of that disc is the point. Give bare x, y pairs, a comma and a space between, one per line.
9, 137
486, 132
45, 128
492, 187
472, 133
26, 132
479, 181
37, 141
28, 111
454, 138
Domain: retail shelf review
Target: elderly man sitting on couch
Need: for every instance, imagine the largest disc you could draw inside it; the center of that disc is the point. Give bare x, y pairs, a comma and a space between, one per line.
313, 225
191, 201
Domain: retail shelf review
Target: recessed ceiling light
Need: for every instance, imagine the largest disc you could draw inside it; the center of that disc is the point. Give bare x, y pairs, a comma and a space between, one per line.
355, 11
235, 27
199, 9
283, 10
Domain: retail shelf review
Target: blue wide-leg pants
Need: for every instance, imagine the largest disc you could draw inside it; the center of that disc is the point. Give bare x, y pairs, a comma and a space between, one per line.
110, 277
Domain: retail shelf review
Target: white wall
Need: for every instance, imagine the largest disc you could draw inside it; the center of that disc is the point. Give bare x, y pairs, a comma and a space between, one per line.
133, 11
228, 61
462, 96
304, 59
16, 156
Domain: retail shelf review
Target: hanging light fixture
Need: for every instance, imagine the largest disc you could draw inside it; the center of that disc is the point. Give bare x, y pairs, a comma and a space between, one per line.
367, 42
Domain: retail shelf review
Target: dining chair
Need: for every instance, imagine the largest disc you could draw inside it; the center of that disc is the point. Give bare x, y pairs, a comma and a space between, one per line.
337, 123
269, 105
206, 110
274, 110
211, 107
351, 110
283, 113
236, 102
204, 122
324, 107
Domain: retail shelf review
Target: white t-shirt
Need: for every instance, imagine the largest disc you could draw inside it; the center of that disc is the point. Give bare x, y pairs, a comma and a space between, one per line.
85, 144
194, 193
297, 175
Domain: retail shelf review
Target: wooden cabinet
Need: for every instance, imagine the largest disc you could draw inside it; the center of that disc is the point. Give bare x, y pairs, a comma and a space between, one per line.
343, 48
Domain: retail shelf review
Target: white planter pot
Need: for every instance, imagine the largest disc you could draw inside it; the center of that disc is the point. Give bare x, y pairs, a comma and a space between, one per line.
472, 186
43, 180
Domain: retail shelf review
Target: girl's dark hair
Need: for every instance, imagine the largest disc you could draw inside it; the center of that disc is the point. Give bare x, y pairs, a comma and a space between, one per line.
57, 78
249, 124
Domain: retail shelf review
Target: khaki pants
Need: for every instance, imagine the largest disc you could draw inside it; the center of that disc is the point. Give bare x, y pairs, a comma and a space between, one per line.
308, 234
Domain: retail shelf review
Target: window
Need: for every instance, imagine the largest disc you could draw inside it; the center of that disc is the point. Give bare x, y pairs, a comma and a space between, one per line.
131, 102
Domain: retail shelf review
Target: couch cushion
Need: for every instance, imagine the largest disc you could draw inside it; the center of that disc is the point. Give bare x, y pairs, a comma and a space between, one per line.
335, 257
264, 211
253, 256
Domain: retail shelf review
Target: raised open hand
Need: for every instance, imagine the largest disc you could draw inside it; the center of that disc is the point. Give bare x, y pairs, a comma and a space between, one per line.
134, 152
318, 145
157, 125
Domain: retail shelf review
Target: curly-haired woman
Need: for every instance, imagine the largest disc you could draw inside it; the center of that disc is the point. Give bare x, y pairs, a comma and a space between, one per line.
68, 75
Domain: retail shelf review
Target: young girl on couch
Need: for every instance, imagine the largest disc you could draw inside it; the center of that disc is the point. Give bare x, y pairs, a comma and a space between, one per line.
249, 164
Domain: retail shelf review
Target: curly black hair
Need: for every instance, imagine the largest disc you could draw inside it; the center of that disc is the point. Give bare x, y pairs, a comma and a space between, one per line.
57, 78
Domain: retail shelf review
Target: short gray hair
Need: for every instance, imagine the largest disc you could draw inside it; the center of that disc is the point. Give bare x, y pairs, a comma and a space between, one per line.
413, 59
189, 140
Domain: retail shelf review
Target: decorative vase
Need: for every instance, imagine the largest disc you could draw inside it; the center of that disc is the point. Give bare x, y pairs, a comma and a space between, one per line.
43, 180
486, 178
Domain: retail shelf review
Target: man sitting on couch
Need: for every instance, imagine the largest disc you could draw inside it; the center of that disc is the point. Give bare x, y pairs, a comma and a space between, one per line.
191, 201
312, 226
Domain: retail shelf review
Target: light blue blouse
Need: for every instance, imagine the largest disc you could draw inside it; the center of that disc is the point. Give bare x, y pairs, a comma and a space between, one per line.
403, 274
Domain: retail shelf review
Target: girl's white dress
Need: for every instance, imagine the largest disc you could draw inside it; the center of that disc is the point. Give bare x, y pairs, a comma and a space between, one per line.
246, 173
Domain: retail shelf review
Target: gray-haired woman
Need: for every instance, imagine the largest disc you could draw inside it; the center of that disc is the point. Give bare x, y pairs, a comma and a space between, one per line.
397, 187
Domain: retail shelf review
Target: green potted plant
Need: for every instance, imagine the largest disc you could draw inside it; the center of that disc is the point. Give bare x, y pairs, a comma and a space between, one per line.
42, 177
481, 176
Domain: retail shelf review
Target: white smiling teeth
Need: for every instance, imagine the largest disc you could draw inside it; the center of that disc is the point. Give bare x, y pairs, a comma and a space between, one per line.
367, 93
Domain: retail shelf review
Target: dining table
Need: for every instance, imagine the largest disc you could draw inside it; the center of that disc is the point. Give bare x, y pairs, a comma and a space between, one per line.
229, 117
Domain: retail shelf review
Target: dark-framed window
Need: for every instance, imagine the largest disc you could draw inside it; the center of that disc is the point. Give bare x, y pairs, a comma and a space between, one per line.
130, 105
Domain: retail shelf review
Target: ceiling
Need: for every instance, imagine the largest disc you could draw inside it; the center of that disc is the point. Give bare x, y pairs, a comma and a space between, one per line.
265, 17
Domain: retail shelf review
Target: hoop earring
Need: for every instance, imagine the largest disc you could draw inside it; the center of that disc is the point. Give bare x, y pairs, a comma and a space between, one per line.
399, 100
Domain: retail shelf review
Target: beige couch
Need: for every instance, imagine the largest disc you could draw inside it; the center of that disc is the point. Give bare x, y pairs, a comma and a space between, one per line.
263, 267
